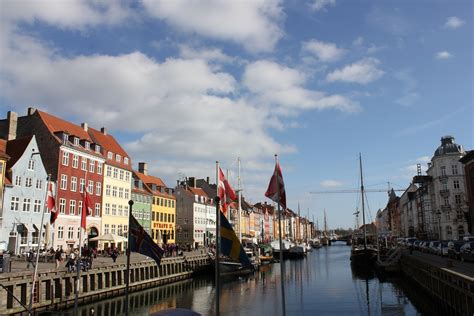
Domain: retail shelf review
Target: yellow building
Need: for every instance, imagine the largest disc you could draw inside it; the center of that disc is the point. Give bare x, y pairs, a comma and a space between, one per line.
163, 208
117, 187
3, 165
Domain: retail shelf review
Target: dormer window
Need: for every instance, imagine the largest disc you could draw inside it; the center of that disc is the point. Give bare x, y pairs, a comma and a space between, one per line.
125, 160
110, 155
97, 148
65, 138
76, 141
118, 158
87, 145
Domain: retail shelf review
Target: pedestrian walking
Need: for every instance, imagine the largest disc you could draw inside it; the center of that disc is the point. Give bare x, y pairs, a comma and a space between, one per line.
114, 255
57, 257
30, 259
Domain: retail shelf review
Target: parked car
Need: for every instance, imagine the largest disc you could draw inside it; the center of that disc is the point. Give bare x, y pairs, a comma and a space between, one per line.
433, 246
467, 251
409, 242
468, 238
416, 244
424, 246
442, 249
454, 248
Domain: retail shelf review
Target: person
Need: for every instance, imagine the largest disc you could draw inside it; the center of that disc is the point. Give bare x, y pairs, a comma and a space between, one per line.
114, 254
30, 258
70, 262
57, 257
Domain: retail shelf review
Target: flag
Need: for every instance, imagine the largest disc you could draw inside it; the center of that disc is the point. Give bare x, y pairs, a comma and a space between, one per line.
87, 208
142, 243
225, 191
230, 244
276, 187
51, 204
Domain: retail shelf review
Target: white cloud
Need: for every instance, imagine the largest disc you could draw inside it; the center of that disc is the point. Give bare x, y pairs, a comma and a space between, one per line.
214, 54
363, 72
326, 52
453, 22
253, 24
283, 86
443, 55
424, 159
318, 5
331, 184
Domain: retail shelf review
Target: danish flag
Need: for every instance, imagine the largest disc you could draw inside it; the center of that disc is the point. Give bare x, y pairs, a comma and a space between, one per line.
51, 204
87, 210
225, 191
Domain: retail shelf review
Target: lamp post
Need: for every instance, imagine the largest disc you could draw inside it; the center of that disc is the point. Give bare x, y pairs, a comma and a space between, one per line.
439, 224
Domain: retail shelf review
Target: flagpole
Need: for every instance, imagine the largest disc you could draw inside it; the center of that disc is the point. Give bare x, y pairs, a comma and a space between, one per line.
282, 267
35, 274
240, 206
127, 271
218, 244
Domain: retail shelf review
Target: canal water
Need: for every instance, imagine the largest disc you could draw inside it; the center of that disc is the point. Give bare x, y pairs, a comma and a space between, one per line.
321, 284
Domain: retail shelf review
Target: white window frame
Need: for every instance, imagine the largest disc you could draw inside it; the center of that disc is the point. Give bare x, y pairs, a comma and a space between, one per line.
75, 161
15, 203
118, 158
97, 209
73, 184
98, 188
125, 160
31, 164
82, 184
91, 166
63, 183
76, 141
62, 206
83, 163
39, 184
70, 232
65, 159
28, 182
26, 205
90, 188
107, 208
18, 180
37, 206
99, 167
60, 232
72, 207
110, 155
454, 169
87, 145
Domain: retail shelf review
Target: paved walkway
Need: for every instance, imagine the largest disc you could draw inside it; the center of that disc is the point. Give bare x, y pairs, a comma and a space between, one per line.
466, 268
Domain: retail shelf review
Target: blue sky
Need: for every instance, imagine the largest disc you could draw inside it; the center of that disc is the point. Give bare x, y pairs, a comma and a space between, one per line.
183, 84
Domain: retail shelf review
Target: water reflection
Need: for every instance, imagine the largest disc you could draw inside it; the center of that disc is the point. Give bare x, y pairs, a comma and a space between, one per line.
324, 283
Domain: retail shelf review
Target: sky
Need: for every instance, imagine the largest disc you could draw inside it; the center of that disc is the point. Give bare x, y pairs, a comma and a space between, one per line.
183, 84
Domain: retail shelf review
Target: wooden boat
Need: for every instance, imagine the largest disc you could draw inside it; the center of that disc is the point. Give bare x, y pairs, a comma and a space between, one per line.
276, 248
265, 254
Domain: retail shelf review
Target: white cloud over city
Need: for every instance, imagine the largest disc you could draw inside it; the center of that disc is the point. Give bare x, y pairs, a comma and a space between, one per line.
363, 72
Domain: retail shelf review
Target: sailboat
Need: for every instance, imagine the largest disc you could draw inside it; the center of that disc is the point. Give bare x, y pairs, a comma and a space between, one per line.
325, 241
362, 254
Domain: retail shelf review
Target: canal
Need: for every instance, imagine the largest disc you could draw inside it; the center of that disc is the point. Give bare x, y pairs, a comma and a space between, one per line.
321, 284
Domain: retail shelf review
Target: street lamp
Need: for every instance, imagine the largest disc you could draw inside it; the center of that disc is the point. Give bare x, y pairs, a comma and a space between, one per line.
439, 223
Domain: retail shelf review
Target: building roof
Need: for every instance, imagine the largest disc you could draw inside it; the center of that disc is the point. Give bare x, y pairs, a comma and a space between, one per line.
448, 146
108, 144
198, 191
56, 124
148, 182
469, 156
15, 149
3, 149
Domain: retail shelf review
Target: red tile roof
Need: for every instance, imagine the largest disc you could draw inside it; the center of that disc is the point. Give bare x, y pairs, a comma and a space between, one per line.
16, 148
197, 191
149, 180
55, 124
109, 144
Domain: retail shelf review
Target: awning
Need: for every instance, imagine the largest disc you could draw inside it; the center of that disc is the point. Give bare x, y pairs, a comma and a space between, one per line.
36, 228
29, 227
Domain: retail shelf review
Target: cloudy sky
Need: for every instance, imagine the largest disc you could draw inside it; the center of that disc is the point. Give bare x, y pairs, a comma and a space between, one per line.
185, 83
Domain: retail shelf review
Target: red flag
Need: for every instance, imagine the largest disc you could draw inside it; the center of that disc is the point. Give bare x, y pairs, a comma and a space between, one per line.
51, 204
87, 210
225, 191
276, 187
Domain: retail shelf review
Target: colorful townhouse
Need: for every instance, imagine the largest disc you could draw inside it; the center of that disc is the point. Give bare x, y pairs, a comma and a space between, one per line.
163, 208
75, 163
142, 204
24, 197
116, 186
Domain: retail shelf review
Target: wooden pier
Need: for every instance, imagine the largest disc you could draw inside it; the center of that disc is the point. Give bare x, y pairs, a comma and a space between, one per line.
54, 290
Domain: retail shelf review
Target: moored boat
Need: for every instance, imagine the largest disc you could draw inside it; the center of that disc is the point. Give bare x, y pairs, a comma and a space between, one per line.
265, 254
286, 245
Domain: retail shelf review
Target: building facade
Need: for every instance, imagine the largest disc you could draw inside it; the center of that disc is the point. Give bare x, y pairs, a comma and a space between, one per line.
468, 163
142, 201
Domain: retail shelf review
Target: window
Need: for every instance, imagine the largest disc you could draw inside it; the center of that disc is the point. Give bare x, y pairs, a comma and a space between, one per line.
120, 193
97, 209
113, 229
125, 160
75, 161
110, 155
72, 207
73, 184
65, 160
114, 209
107, 208
127, 176
60, 232
120, 210
109, 171
454, 168
106, 228
448, 216
78, 232
15, 203
82, 185
446, 201
99, 168
460, 214
91, 187
91, 166
115, 173
79, 208
445, 186
18, 180
76, 141
118, 158
98, 188
107, 190
83, 164
119, 230
37, 206
456, 184
97, 148
87, 145
70, 232
26, 204
39, 184
443, 170
127, 194
31, 164
63, 182
62, 206
114, 191
28, 182
457, 199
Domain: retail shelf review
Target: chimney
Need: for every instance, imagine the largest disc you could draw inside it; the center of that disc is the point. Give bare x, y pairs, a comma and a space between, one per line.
31, 111
12, 119
84, 126
103, 130
207, 180
143, 168
192, 182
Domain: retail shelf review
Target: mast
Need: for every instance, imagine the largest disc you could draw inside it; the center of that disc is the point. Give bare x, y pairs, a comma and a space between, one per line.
240, 202
363, 204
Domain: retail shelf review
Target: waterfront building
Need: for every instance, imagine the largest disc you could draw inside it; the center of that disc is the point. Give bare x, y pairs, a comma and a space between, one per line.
393, 214
381, 221
447, 190
408, 212
163, 215
468, 164
3, 166
195, 211
142, 204
116, 186
75, 163
267, 212
24, 196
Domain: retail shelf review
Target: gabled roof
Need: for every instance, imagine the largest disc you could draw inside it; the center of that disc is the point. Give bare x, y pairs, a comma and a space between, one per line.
198, 191
56, 124
148, 181
109, 144
16, 148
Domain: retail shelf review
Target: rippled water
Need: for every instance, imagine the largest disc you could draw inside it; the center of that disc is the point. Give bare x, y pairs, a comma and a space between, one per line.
321, 284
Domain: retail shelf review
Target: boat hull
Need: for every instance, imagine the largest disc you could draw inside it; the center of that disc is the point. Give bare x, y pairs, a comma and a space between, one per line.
363, 257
